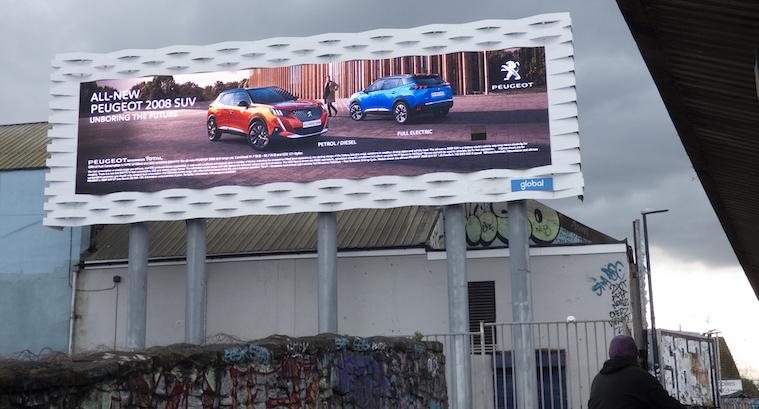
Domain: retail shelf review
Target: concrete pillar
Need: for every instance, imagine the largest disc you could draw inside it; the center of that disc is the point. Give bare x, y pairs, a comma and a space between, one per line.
137, 277
635, 298
196, 282
525, 375
458, 305
327, 280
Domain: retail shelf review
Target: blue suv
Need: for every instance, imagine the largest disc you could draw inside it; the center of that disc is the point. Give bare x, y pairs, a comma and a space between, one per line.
403, 96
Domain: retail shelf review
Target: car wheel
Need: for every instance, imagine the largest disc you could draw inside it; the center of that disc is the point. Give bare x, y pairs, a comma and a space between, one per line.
441, 113
400, 112
356, 113
258, 135
214, 134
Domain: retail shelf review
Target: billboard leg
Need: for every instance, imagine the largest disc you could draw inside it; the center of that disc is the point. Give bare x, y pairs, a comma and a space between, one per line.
635, 297
197, 282
327, 280
525, 374
458, 304
137, 273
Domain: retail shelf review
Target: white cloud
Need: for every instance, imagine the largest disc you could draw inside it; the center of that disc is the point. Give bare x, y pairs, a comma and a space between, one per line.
698, 298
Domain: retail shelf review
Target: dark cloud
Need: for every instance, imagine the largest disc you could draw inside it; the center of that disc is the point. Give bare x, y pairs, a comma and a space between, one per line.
632, 157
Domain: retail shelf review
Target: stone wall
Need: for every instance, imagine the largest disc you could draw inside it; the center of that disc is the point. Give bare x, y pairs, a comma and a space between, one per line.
326, 371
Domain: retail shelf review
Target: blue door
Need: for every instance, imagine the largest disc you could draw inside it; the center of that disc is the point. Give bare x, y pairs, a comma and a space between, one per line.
551, 377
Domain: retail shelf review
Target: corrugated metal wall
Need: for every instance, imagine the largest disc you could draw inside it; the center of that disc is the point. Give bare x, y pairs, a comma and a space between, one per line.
24, 146
359, 229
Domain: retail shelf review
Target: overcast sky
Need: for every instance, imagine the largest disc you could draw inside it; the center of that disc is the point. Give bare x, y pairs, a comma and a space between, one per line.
632, 158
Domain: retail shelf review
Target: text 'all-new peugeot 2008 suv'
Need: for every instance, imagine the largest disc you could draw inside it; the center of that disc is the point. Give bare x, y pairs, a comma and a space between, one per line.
263, 113
403, 96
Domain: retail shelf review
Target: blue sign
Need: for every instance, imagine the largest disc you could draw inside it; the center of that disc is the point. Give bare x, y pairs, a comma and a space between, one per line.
521, 185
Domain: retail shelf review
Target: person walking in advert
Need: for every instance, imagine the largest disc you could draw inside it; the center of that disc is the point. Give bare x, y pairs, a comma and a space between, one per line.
330, 89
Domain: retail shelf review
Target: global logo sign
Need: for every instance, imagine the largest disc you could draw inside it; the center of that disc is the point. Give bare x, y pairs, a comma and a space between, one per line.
523, 185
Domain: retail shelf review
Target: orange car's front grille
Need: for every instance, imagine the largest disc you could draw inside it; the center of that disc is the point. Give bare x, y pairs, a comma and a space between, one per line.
309, 131
302, 114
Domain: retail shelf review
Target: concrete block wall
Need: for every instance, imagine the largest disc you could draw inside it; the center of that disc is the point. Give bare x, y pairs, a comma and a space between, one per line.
325, 371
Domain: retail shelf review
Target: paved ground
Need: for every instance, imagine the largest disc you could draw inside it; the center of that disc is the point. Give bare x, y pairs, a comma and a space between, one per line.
504, 119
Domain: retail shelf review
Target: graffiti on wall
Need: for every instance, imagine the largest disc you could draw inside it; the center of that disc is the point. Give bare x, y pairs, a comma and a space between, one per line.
278, 372
487, 227
688, 370
487, 224
611, 273
620, 302
613, 282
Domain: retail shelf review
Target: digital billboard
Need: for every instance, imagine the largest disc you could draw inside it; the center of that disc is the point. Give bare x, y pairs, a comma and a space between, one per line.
404, 116
445, 114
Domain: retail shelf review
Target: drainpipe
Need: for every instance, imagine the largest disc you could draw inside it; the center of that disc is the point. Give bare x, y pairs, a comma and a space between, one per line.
72, 317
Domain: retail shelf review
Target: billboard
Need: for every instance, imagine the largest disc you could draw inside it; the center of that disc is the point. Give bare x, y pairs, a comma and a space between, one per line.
689, 368
427, 116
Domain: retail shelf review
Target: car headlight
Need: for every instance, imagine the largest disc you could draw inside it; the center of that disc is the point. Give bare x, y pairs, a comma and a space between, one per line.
279, 112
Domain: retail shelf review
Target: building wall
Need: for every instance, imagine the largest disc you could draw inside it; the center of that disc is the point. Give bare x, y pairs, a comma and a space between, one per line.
35, 263
389, 293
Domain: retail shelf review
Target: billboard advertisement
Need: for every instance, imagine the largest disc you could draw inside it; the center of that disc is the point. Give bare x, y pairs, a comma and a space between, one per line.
397, 129
403, 116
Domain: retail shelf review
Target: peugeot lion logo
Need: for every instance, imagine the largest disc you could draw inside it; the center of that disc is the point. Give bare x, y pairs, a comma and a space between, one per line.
309, 114
511, 68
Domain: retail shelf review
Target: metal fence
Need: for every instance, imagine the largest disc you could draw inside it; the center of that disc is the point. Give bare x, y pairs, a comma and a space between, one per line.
738, 403
567, 357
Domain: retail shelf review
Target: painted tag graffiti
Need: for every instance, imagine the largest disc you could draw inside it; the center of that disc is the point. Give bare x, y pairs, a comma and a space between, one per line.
613, 281
341, 343
255, 354
620, 302
612, 273
297, 349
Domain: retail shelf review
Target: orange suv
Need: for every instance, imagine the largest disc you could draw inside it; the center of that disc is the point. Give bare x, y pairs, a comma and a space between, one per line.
262, 113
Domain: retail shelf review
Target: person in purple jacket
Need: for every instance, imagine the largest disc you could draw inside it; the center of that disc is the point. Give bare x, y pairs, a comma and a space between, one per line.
623, 384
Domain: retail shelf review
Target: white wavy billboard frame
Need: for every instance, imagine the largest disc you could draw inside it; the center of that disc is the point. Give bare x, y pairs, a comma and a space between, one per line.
552, 31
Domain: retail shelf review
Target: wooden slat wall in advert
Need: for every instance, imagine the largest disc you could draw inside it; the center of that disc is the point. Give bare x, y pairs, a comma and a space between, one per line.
466, 71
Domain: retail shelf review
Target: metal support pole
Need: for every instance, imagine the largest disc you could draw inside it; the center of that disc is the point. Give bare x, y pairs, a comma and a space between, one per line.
640, 256
327, 279
635, 299
525, 373
137, 277
197, 282
717, 367
458, 304
654, 341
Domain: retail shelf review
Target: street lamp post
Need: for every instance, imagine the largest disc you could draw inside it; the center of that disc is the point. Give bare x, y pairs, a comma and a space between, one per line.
654, 344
